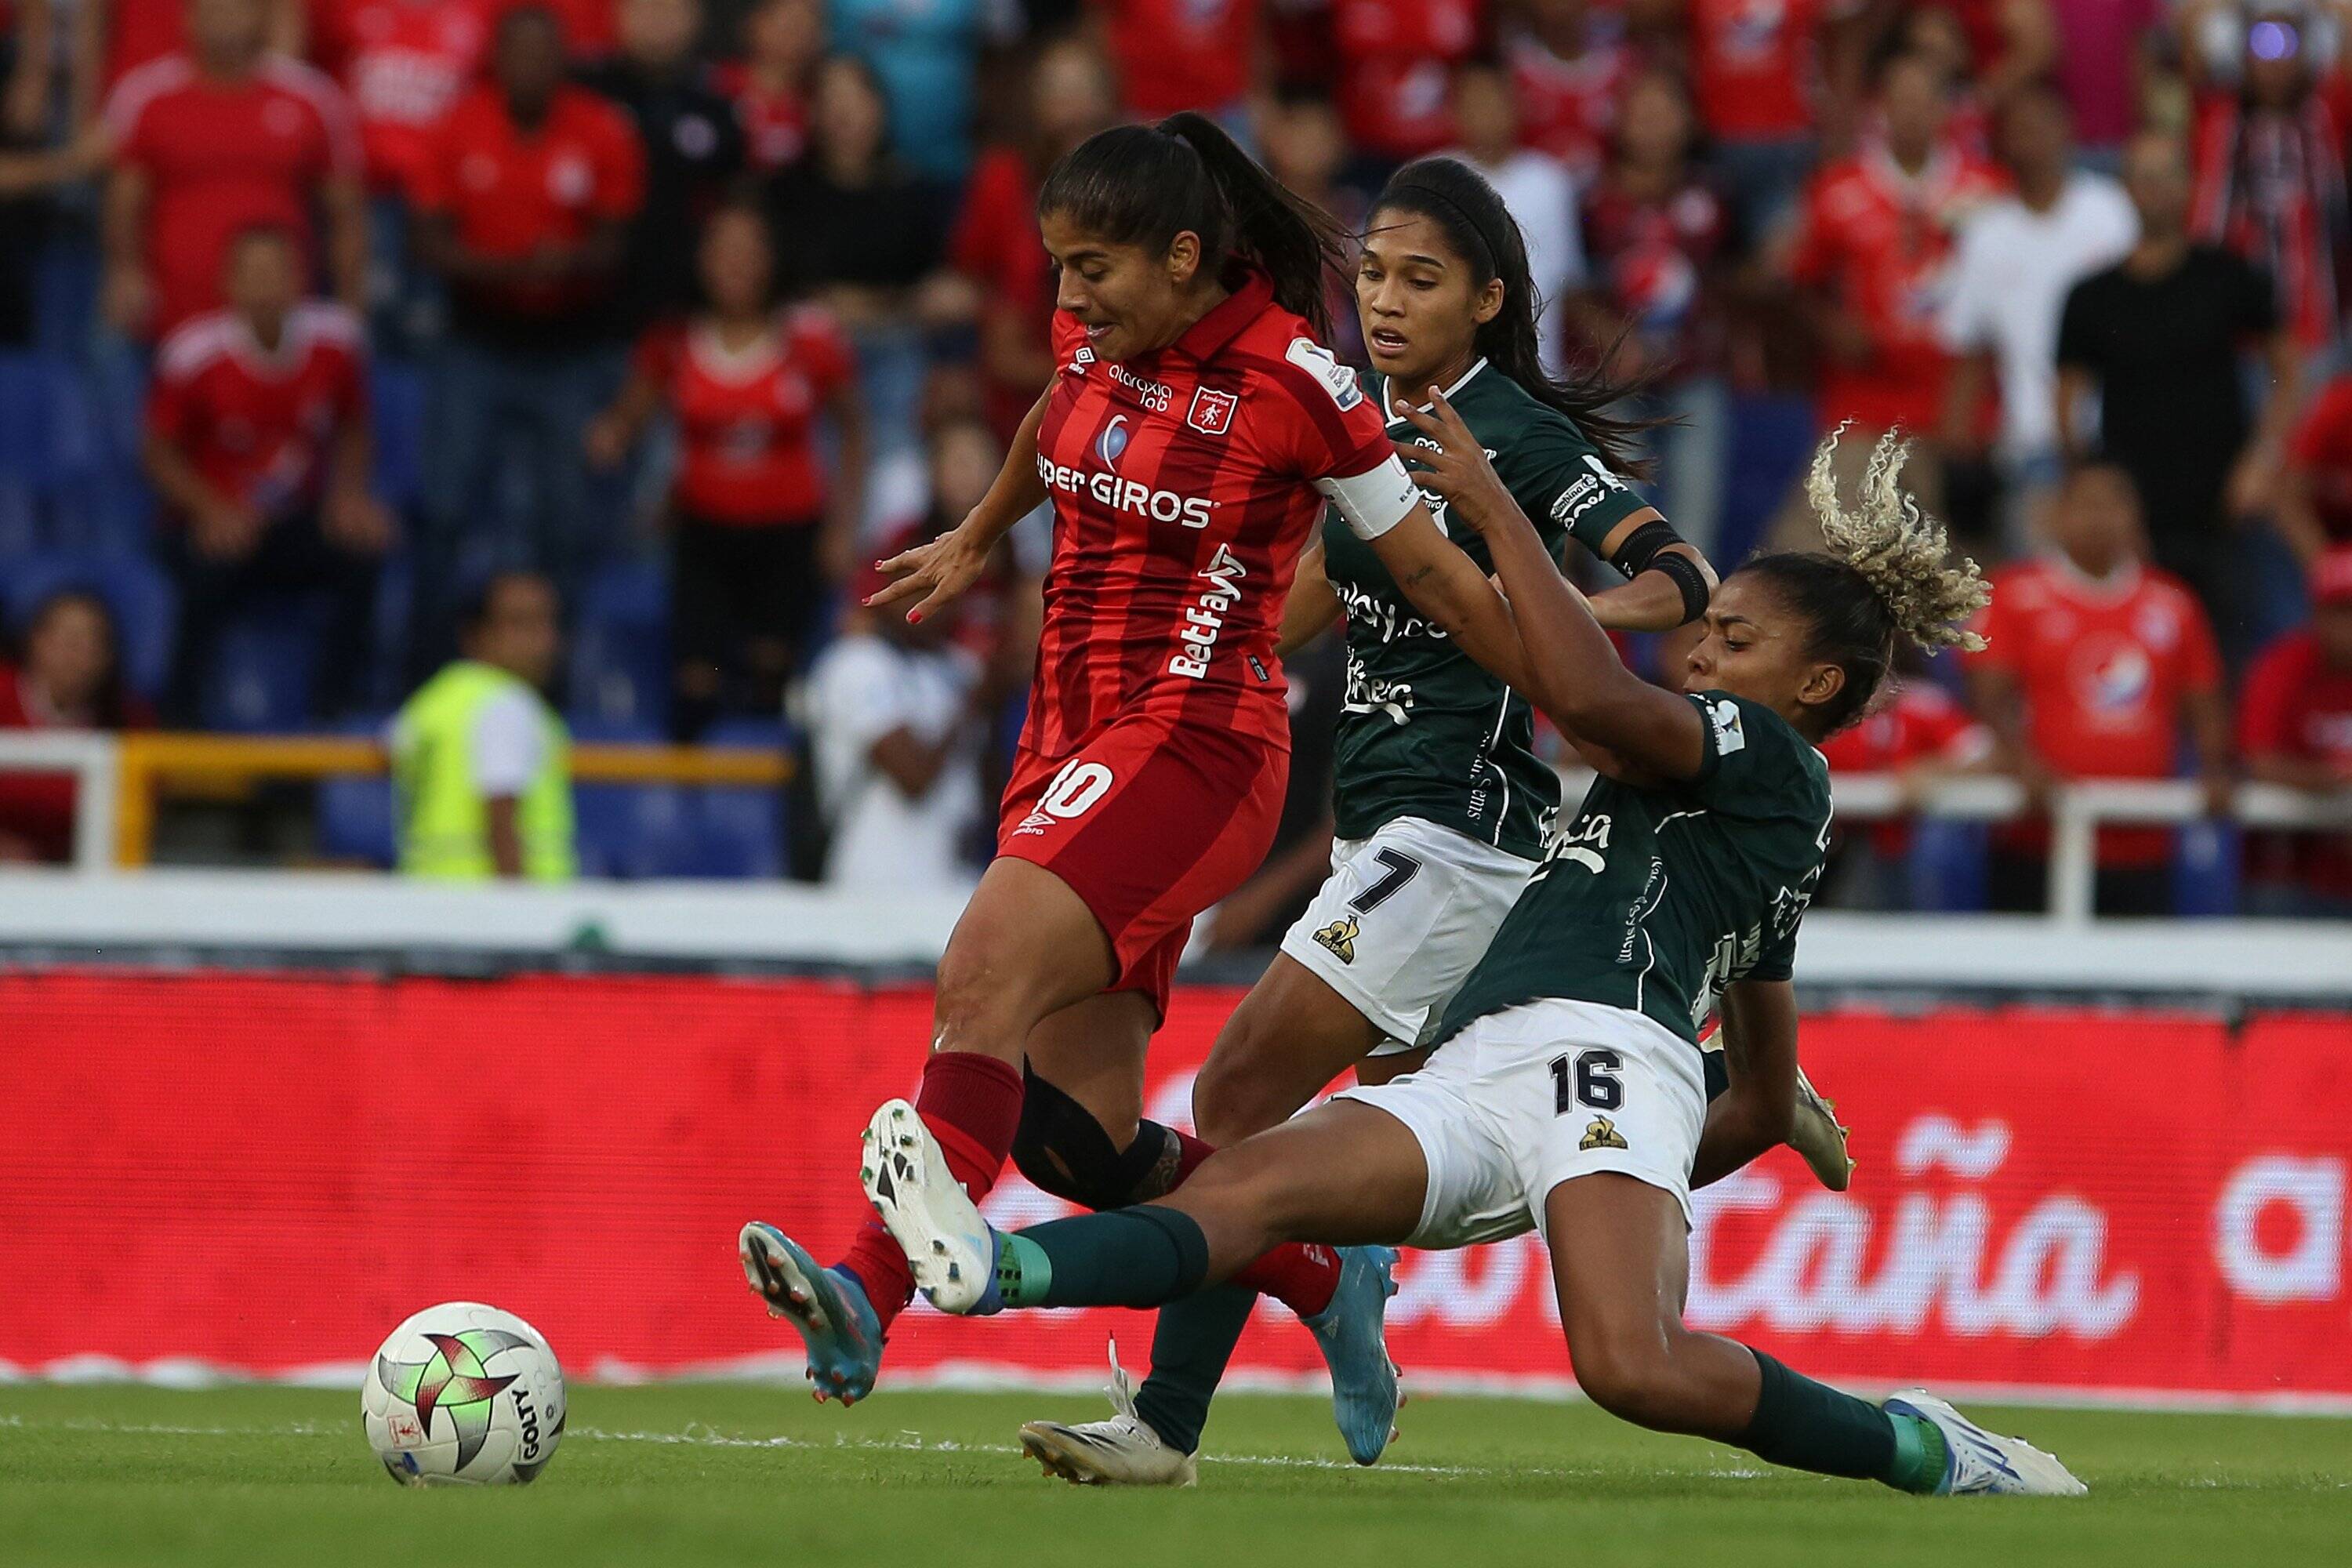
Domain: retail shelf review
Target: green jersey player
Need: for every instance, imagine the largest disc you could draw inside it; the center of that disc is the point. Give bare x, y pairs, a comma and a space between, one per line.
1566, 1093
1440, 802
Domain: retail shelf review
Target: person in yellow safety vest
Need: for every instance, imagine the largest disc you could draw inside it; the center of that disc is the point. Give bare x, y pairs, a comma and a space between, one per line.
481, 765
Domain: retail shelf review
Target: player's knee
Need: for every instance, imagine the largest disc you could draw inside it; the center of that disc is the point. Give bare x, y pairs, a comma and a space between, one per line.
1629, 1372
1062, 1149
1233, 1098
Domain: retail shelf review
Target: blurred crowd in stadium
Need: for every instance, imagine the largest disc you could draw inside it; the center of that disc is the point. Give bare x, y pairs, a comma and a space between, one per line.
317, 314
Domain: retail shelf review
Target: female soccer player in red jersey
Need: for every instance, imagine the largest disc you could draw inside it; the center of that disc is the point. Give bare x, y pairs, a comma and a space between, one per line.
1190, 441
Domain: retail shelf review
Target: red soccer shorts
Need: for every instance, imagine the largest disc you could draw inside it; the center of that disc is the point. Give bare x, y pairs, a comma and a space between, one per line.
1150, 822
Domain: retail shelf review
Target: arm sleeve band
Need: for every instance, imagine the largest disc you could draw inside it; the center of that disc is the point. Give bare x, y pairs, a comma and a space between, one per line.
1375, 501
1646, 550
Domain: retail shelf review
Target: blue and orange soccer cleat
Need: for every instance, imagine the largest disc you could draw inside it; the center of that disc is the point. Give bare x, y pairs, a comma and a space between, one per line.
827, 1306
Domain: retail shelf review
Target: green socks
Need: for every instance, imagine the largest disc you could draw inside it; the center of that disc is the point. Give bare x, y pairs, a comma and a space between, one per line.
1190, 1347
1143, 1256
1919, 1455
1810, 1425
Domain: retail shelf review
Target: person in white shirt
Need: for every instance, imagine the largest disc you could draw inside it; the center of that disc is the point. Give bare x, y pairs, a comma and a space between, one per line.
1534, 186
2015, 261
898, 718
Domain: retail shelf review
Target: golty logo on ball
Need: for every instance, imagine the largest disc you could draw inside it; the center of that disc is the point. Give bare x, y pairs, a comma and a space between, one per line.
453, 1380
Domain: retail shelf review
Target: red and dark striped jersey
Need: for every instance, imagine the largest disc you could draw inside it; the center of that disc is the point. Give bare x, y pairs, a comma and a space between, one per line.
1183, 487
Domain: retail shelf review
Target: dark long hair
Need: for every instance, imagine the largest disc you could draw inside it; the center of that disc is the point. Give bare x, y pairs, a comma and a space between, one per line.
1145, 184
111, 703
1481, 230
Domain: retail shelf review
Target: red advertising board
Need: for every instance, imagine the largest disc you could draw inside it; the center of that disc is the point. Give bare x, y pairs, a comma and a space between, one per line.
264, 1172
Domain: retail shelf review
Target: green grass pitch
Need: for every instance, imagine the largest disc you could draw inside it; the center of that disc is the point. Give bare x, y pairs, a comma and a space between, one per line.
756, 1476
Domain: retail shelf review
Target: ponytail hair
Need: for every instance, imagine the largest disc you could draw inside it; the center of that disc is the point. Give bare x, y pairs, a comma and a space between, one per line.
1481, 230
1886, 576
1145, 184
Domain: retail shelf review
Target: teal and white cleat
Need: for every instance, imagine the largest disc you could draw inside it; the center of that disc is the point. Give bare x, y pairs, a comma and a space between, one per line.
828, 1307
951, 1250
1976, 1463
1364, 1392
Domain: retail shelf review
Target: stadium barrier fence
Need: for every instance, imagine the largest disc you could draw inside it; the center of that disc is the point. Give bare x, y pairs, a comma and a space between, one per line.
118, 776
205, 1173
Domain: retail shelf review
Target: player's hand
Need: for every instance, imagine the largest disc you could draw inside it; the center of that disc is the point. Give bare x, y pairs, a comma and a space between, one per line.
1459, 468
929, 574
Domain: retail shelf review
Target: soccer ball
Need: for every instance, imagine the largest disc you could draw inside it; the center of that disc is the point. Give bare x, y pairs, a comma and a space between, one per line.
464, 1392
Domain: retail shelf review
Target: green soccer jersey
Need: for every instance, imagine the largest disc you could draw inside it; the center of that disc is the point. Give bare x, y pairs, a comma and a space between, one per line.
1653, 900
1426, 731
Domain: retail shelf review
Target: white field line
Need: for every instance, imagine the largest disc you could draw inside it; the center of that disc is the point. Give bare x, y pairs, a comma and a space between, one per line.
704, 1438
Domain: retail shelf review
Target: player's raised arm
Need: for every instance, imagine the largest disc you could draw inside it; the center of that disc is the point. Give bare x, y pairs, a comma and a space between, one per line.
932, 573
1570, 670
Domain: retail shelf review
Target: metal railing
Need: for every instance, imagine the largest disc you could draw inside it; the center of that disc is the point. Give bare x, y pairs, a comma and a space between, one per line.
117, 779
118, 776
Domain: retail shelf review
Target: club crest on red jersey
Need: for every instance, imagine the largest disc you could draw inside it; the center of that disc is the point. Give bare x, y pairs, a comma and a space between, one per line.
1212, 412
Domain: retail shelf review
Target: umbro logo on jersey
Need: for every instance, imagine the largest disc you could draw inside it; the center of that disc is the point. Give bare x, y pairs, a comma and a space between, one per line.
1212, 412
1080, 360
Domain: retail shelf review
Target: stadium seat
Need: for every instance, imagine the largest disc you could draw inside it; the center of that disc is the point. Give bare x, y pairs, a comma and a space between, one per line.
134, 587
1947, 872
741, 832
355, 820
2206, 863
260, 679
619, 647
49, 454
1771, 441
396, 396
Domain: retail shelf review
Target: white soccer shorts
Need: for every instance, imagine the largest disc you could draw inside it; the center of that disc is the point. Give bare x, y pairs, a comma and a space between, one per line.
1401, 921
1536, 1095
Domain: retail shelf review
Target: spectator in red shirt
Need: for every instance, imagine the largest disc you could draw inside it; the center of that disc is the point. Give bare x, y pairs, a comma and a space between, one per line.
68, 676
213, 142
1569, 63
1396, 60
2268, 155
1872, 250
996, 246
2313, 497
761, 531
1758, 73
1207, 55
1657, 239
404, 63
523, 209
2093, 665
782, 41
112, 39
2294, 727
258, 444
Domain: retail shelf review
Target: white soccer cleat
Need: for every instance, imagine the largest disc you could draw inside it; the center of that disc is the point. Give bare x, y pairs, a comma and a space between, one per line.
1818, 1139
951, 1250
1123, 1451
1976, 1463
